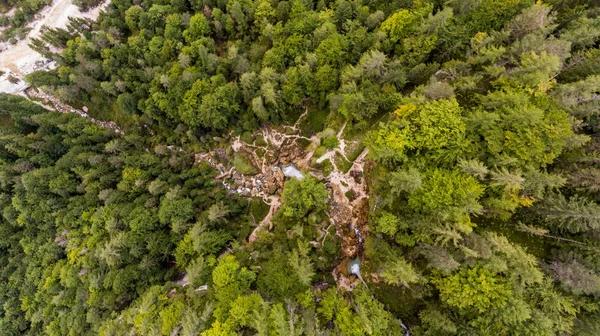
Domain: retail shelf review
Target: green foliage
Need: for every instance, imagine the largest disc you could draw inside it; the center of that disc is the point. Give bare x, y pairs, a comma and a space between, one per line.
399, 272
176, 212
23, 12
230, 281
574, 215
436, 322
102, 237
430, 125
481, 120
242, 164
210, 103
448, 193
301, 264
387, 223
404, 22
301, 197
475, 288
199, 27
331, 142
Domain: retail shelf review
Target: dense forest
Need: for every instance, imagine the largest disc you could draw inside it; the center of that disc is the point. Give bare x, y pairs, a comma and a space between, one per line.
475, 211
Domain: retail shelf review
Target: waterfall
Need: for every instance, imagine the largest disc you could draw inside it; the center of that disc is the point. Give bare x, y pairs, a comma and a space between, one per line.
358, 234
355, 269
291, 171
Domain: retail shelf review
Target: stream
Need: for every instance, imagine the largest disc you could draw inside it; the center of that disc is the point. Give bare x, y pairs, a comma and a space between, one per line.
291, 171
282, 157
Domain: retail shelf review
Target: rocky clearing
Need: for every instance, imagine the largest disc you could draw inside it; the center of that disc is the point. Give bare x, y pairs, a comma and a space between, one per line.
271, 153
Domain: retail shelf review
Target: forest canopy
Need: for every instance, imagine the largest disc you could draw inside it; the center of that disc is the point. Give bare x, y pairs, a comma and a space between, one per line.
448, 178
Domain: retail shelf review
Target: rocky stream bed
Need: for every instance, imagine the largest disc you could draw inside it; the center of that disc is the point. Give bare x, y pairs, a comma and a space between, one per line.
281, 155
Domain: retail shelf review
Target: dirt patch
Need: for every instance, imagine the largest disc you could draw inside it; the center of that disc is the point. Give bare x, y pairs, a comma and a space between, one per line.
19, 60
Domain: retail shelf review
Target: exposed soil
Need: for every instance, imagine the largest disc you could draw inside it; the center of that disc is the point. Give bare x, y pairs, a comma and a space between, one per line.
19, 59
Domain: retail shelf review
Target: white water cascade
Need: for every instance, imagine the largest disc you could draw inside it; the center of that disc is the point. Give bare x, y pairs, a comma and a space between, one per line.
292, 171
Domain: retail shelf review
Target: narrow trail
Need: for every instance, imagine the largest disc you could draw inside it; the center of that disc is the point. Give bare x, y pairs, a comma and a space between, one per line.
340, 149
275, 203
342, 146
51, 103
